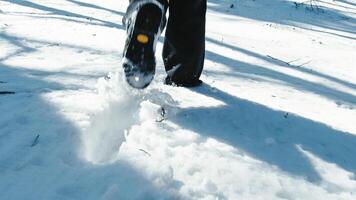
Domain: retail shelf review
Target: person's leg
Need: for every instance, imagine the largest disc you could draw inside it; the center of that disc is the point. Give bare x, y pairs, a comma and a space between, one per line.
144, 20
184, 46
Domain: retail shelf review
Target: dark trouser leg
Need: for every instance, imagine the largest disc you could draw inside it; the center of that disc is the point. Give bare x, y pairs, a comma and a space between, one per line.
184, 47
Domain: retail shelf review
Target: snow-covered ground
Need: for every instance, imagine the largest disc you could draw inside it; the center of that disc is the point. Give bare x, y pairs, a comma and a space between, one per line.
274, 119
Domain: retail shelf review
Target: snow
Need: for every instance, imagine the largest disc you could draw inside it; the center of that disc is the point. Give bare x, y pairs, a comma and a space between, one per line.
274, 119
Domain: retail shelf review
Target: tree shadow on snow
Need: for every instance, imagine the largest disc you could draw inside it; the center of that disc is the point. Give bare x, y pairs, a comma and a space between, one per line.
39, 147
89, 5
50, 166
56, 13
269, 135
238, 67
287, 13
347, 2
280, 63
266, 134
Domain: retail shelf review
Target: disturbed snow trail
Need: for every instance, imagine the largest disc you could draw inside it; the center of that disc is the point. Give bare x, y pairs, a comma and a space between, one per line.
274, 119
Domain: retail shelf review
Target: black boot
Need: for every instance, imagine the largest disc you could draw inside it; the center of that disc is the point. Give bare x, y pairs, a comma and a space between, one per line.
144, 21
184, 46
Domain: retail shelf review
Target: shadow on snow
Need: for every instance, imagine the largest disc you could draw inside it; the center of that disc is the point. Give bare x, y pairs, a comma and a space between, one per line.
298, 83
285, 12
54, 157
269, 135
63, 14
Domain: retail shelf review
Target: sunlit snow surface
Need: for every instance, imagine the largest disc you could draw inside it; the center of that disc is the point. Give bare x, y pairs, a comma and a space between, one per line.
274, 119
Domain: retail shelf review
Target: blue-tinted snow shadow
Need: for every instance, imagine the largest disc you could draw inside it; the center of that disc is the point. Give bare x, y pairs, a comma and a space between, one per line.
347, 2
238, 67
89, 5
56, 13
279, 63
287, 13
26, 165
269, 135
22, 48
50, 166
266, 134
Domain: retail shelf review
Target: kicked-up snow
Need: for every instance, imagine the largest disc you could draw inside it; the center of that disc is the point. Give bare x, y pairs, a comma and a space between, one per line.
274, 119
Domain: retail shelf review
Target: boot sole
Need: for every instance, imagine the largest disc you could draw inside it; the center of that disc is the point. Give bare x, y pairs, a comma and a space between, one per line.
140, 64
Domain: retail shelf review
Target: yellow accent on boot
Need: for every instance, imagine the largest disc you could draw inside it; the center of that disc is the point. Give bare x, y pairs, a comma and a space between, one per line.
141, 38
